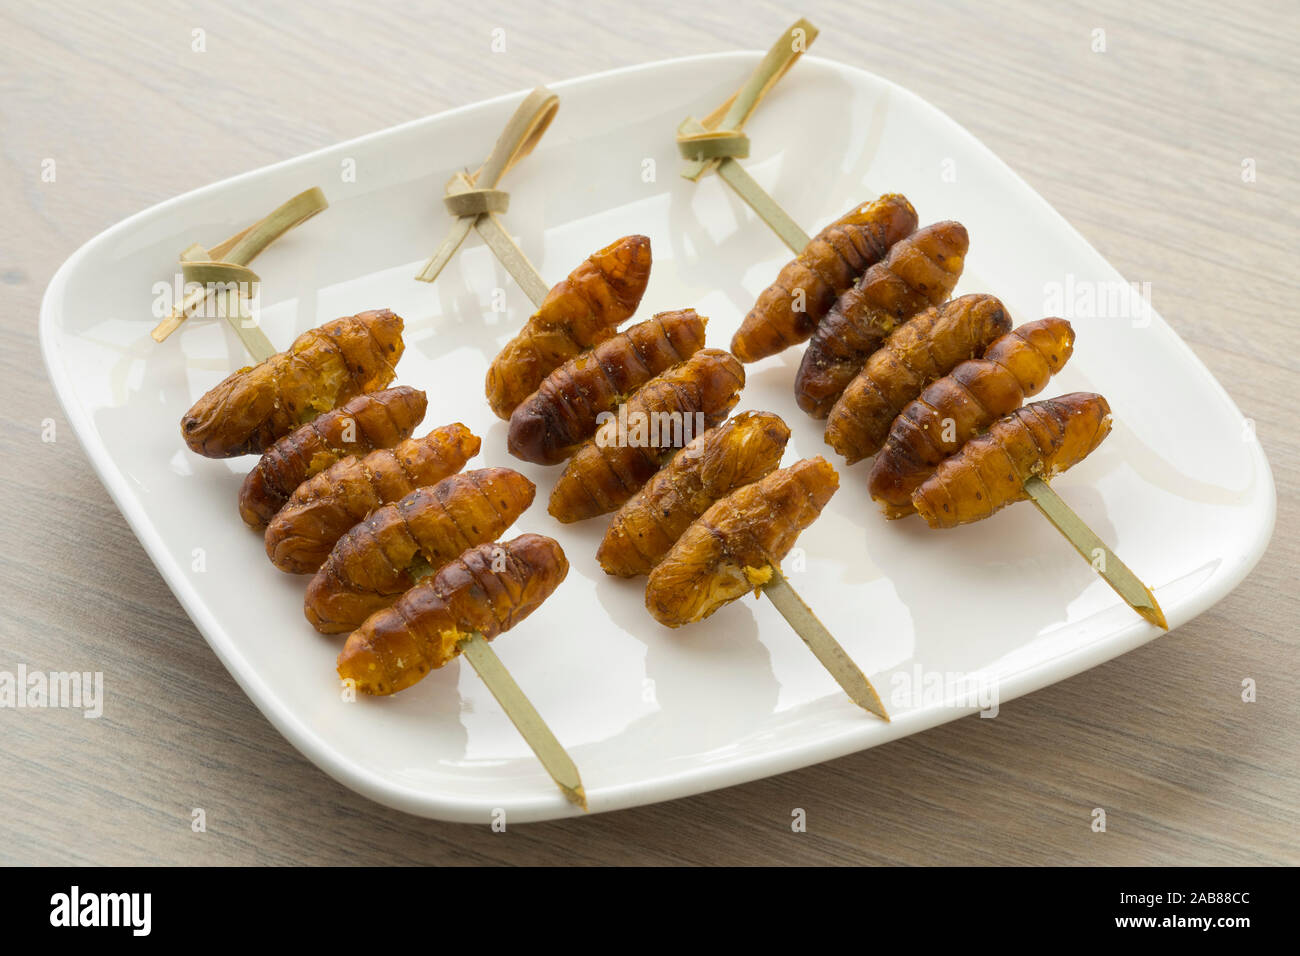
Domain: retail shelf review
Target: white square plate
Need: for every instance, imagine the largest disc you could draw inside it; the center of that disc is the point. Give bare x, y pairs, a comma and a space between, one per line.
1179, 490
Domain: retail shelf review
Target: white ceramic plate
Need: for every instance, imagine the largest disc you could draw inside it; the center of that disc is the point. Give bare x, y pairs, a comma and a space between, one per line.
1180, 490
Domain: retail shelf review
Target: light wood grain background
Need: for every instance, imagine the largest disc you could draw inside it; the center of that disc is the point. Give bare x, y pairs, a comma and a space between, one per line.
1141, 147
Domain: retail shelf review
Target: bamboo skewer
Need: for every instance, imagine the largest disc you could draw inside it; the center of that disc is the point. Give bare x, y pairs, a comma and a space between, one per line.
539, 737
822, 643
496, 238
534, 285
1112, 570
475, 199
525, 717
717, 142
223, 269
254, 339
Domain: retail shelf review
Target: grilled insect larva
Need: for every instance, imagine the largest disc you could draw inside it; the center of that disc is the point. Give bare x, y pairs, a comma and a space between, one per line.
739, 451
920, 271
581, 311
488, 589
964, 403
920, 350
563, 411
1043, 439
251, 408
373, 420
382, 556
660, 417
321, 511
733, 546
789, 309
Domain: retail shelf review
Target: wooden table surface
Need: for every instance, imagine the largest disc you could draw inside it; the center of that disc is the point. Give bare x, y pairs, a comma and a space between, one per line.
1140, 146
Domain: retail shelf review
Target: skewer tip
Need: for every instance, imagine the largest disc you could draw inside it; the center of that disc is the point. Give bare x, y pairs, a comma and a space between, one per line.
1112, 570
577, 796
1153, 613
855, 684
870, 701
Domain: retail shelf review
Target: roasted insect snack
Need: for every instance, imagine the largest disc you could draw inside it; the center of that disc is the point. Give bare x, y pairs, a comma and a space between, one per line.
788, 310
373, 420
964, 403
732, 548
739, 451
920, 271
251, 408
920, 350
322, 509
989, 473
565, 409
582, 311
488, 589
383, 555
660, 417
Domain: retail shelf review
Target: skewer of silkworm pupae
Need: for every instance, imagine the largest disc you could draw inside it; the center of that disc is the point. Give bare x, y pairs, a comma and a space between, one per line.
255, 431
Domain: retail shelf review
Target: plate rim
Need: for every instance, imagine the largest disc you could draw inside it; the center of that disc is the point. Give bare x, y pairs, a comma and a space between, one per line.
689, 781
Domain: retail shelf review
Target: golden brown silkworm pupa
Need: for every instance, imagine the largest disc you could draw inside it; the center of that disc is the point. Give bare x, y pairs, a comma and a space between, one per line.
362, 424
732, 548
741, 450
962, 404
382, 556
660, 417
920, 271
251, 408
583, 310
789, 309
989, 473
920, 350
563, 412
324, 508
488, 589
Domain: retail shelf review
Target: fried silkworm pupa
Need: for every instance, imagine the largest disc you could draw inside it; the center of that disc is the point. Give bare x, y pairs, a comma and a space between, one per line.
989, 473
253, 407
923, 348
789, 309
383, 555
964, 403
920, 271
489, 589
373, 420
739, 451
324, 508
732, 548
660, 417
582, 311
562, 413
